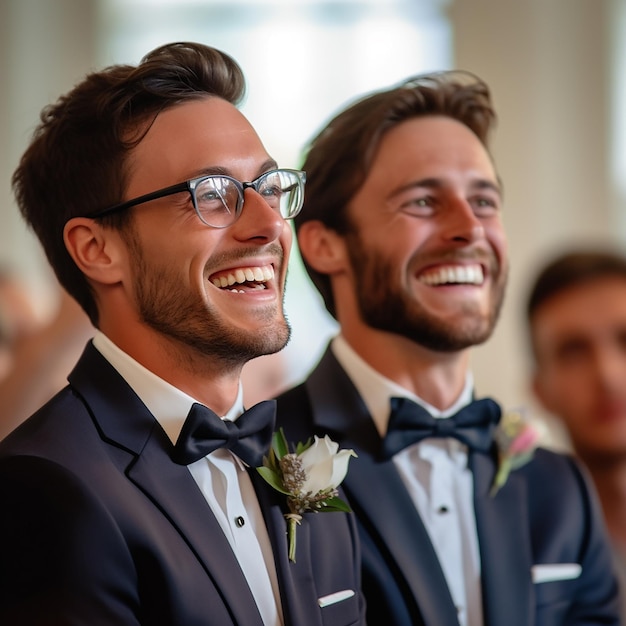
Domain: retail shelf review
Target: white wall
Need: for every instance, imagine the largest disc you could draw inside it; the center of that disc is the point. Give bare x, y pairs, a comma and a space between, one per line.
45, 47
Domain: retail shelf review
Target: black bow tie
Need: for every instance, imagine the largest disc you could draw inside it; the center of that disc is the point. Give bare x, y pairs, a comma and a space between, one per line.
249, 437
409, 423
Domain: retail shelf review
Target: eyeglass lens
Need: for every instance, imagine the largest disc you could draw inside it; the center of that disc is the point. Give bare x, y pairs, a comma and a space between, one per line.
219, 199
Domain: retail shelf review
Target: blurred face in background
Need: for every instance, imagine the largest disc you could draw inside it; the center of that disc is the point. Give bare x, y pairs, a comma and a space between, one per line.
579, 337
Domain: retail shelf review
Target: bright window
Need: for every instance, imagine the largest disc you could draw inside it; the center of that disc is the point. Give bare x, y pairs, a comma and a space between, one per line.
303, 59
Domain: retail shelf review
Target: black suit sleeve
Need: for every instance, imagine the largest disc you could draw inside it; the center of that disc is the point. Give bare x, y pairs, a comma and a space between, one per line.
62, 558
595, 599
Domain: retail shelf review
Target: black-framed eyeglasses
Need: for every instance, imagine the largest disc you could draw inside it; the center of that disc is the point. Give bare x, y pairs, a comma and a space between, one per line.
218, 199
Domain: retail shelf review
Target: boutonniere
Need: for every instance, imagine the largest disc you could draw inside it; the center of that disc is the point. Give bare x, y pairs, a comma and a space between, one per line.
309, 476
517, 438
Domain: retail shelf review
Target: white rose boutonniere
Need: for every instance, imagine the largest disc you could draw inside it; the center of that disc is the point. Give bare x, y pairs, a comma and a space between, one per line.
309, 477
517, 437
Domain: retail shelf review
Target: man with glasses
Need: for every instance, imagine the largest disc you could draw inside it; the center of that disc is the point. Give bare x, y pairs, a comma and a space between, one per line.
126, 499
401, 232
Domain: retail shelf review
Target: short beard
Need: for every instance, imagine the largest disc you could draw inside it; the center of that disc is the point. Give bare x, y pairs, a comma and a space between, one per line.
181, 315
385, 307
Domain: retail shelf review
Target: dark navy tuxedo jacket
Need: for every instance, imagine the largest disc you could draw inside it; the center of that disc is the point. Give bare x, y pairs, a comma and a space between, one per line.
99, 527
545, 515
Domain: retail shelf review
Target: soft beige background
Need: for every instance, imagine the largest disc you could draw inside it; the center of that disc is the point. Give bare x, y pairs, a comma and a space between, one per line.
556, 68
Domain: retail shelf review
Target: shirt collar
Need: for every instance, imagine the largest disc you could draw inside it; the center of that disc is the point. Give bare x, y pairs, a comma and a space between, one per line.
376, 390
167, 403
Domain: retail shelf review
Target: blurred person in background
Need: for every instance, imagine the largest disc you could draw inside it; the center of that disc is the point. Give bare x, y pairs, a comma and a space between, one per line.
36, 352
577, 321
18, 317
401, 232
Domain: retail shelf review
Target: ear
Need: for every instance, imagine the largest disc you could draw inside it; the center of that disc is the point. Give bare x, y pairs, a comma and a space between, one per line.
322, 248
96, 251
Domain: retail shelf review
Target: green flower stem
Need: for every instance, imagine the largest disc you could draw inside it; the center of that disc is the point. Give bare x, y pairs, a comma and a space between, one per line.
293, 520
503, 473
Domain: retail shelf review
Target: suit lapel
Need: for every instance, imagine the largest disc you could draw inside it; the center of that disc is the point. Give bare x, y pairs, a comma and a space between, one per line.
378, 495
296, 580
170, 486
173, 490
504, 538
377, 492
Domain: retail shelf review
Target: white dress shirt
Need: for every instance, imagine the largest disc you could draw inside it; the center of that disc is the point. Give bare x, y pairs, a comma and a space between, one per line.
221, 476
437, 478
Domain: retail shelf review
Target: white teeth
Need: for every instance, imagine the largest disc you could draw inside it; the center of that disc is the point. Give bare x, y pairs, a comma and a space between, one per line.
246, 274
475, 274
458, 275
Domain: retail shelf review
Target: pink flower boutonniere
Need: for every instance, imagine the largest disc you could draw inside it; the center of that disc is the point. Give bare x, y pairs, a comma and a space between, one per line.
517, 438
309, 477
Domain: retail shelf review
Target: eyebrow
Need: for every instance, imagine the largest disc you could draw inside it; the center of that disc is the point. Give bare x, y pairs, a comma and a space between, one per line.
437, 183
218, 170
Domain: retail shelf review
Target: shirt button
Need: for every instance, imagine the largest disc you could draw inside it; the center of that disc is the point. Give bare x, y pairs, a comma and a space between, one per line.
443, 509
239, 521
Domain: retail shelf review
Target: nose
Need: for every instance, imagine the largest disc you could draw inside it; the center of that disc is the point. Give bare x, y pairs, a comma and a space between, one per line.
258, 220
610, 367
461, 223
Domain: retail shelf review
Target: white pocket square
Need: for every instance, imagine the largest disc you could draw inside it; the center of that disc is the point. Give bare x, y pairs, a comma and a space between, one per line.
333, 598
555, 571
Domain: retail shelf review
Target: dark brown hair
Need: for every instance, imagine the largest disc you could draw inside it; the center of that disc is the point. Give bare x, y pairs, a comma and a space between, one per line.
76, 163
571, 269
339, 158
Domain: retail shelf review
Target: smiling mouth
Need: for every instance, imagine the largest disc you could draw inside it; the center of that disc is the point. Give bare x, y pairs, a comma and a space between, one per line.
244, 279
454, 275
